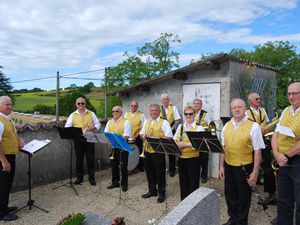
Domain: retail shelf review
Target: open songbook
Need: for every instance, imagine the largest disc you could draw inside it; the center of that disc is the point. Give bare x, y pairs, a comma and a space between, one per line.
34, 146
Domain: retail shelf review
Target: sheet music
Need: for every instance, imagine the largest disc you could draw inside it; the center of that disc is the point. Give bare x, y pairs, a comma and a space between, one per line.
35, 145
95, 137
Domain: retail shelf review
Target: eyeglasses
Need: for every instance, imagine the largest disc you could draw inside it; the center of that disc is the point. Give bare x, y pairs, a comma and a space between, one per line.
80, 103
293, 93
115, 111
188, 114
133, 105
257, 99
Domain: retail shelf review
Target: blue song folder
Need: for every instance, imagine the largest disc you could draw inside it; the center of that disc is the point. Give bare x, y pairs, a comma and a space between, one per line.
117, 141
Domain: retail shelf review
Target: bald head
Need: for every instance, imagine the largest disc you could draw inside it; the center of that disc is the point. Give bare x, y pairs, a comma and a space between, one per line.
254, 100
238, 108
294, 94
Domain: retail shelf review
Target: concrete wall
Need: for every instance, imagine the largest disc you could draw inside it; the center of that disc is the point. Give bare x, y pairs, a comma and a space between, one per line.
51, 163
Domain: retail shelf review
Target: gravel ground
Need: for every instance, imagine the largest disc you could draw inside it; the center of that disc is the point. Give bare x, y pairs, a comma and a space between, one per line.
110, 203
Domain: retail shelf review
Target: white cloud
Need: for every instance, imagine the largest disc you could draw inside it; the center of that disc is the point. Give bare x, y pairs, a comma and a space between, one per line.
65, 34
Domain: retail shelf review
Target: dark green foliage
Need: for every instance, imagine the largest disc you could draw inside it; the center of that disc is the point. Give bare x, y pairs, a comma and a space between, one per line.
44, 109
111, 102
5, 86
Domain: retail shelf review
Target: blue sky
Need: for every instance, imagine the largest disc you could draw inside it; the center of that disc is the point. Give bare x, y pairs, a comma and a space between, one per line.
39, 38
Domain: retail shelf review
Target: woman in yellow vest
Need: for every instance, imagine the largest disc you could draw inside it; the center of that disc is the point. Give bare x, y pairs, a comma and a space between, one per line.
188, 162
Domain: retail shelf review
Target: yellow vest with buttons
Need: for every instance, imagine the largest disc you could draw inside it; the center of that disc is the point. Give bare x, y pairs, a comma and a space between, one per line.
154, 130
293, 122
135, 121
9, 144
202, 121
262, 123
187, 152
170, 114
117, 128
238, 145
82, 121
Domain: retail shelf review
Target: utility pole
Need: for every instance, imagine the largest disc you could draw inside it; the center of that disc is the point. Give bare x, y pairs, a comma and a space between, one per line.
105, 93
57, 97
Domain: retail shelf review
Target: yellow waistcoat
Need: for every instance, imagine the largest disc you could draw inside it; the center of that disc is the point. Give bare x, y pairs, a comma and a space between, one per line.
117, 128
261, 121
202, 121
187, 152
82, 121
170, 114
293, 122
135, 121
9, 144
154, 130
238, 145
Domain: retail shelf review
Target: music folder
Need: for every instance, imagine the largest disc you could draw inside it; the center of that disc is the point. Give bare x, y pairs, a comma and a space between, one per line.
70, 133
164, 145
34, 146
118, 141
205, 141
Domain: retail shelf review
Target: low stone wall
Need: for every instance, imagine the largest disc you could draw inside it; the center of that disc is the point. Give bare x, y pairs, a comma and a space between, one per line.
52, 163
202, 207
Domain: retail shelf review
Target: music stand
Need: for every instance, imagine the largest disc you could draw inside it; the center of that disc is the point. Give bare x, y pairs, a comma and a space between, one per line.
30, 202
70, 133
165, 146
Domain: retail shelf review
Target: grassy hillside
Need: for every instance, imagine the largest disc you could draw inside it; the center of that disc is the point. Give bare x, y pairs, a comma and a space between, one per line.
26, 101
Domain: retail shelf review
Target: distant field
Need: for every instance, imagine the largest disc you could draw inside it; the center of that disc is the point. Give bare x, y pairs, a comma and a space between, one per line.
26, 101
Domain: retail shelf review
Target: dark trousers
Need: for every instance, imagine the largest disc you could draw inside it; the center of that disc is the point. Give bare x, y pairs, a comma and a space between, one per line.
120, 160
237, 193
269, 177
155, 166
139, 144
88, 149
6, 180
204, 165
289, 193
189, 175
172, 163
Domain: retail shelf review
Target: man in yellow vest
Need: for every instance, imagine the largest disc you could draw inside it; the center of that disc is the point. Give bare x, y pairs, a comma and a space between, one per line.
88, 122
242, 141
286, 150
258, 114
155, 164
136, 119
203, 119
119, 125
170, 113
9, 148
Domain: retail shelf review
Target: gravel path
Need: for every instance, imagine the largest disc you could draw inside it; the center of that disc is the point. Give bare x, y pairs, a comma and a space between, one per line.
137, 211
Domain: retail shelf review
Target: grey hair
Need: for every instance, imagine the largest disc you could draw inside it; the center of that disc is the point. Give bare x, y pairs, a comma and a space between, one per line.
238, 99
118, 107
4, 97
164, 95
155, 105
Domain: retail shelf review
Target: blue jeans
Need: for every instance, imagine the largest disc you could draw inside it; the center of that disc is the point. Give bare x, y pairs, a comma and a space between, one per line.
289, 193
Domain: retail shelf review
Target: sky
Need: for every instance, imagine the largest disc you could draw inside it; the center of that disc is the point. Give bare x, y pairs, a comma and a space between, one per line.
39, 38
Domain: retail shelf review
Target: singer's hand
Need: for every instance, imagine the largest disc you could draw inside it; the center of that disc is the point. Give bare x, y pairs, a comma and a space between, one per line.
252, 179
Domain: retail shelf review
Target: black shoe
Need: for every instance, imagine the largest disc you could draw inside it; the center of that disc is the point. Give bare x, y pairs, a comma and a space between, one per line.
148, 195
78, 181
124, 188
172, 173
12, 208
141, 169
113, 186
9, 217
92, 181
204, 181
270, 200
161, 199
229, 223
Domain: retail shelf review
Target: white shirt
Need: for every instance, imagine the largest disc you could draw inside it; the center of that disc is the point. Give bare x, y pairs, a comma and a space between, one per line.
7, 117
96, 122
207, 119
165, 127
200, 128
294, 113
127, 126
175, 110
255, 133
257, 112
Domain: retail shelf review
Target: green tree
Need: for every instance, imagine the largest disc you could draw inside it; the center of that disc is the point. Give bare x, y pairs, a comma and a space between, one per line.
5, 87
153, 59
67, 103
44, 109
282, 56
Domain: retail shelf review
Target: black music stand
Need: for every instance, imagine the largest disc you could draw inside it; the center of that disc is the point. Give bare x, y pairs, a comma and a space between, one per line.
30, 202
70, 133
165, 146
205, 141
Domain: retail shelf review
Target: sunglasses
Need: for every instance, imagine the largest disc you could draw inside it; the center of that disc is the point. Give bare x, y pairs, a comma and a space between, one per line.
188, 114
115, 111
133, 105
257, 99
80, 103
